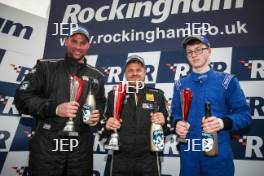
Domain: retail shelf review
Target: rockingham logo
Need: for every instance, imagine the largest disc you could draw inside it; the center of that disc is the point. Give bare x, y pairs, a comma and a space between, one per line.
256, 67
106, 70
170, 148
219, 66
241, 140
246, 64
182, 69
21, 171
254, 147
16, 68
256, 104
21, 71
4, 136
250, 146
7, 107
115, 73
159, 10
18, 29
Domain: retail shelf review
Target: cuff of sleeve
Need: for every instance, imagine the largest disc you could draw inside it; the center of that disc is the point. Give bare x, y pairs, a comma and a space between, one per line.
228, 123
52, 107
220, 121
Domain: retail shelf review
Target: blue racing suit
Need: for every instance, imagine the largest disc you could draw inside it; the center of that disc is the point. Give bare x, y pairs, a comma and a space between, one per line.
228, 102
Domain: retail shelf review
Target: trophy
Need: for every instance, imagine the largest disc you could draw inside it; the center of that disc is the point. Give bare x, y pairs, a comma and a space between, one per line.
209, 140
186, 99
89, 105
76, 88
119, 94
156, 134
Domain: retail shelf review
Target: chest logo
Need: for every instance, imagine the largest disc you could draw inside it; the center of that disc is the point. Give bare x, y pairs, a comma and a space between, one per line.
147, 106
149, 97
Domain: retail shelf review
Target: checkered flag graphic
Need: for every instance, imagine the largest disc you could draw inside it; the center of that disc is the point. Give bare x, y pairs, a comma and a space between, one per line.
16, 68
106, 70
19, 170
246, 64
3, 99
172, 67
241, 140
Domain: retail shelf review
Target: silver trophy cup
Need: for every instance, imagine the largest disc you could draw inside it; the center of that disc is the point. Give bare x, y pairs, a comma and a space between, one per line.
69, 129
112, 143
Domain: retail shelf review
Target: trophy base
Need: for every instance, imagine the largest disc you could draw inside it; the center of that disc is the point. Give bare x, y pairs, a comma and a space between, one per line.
111, 147
69, 130
181, 139
113, 142
68, 133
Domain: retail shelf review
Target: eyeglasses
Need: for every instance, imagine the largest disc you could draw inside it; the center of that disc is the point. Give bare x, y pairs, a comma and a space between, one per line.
197, 51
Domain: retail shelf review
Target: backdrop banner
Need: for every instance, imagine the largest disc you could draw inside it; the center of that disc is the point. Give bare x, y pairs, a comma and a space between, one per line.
152, 29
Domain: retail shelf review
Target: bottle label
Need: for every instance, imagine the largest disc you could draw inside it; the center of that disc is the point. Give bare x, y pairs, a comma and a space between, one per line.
158, 139
87, 111
207, 142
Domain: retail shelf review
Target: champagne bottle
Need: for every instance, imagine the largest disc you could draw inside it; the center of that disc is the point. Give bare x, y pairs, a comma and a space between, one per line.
209, 140
156, 134
89, 105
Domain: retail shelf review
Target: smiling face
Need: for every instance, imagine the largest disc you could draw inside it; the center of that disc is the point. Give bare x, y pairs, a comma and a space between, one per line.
134, 72
77, 46
198, 56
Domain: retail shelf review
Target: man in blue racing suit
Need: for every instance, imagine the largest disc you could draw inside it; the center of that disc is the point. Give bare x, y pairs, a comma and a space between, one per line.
230, 112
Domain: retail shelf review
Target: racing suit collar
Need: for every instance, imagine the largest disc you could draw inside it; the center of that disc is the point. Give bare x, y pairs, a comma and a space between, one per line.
73, 65
201, 77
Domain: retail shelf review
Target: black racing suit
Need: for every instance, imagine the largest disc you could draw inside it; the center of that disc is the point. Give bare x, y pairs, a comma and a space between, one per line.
134, 157
38, 95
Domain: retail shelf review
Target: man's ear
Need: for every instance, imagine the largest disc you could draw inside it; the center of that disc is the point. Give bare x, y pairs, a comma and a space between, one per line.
209, 50
89, 45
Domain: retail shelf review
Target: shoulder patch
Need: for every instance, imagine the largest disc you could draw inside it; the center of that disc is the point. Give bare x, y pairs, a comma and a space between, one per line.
24, 85
227, 80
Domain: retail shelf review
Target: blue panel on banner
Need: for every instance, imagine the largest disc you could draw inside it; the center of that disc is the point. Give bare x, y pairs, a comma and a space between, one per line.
108, 165
248, 62
121, 26
2, 159
2, 53
7, 89
23, 135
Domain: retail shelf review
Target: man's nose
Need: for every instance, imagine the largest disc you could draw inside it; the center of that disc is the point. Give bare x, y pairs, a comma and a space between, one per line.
135, 73
78, 46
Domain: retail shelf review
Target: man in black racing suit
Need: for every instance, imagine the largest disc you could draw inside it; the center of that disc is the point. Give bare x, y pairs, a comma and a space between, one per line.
45, 94
134, 157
